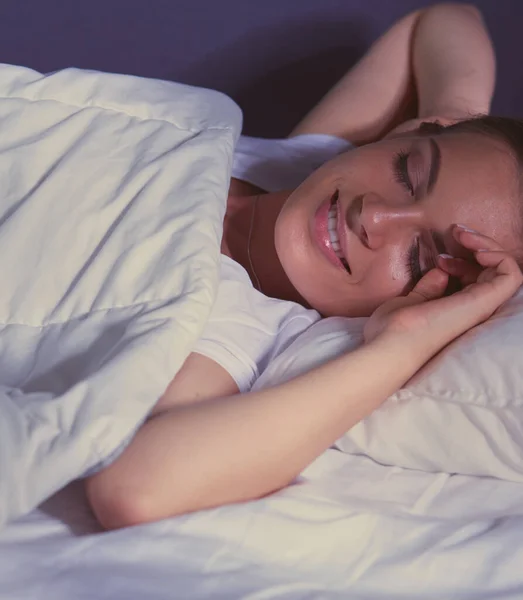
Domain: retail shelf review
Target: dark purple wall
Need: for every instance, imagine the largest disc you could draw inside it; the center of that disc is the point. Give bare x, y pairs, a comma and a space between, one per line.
275, 57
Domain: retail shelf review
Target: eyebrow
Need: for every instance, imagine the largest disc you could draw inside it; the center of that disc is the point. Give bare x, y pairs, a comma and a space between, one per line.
435, 163
438, 239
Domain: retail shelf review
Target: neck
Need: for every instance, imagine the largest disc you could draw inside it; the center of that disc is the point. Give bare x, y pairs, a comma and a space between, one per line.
263, 256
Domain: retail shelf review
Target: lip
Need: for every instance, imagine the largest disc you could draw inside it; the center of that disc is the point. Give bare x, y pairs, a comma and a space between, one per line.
321, 232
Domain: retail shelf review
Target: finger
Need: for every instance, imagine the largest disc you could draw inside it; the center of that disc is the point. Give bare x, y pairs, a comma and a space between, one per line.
473, 240
501, 266
477, 302
501, 275
431, 286
504, 262
464, 270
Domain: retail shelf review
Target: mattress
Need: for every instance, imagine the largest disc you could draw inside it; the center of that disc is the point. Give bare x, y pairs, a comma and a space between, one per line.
347, 528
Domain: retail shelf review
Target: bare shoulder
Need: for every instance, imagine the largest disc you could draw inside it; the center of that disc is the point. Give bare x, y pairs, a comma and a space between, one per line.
200, 378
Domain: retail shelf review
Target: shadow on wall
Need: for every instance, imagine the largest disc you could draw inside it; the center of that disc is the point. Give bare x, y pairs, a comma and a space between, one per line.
278, 75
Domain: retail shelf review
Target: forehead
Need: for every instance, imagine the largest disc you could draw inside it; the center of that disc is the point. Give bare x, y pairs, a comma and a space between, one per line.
478, 186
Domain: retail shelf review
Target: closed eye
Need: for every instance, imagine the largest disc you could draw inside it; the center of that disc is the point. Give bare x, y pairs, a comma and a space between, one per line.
413, 263
418, 248
400, 166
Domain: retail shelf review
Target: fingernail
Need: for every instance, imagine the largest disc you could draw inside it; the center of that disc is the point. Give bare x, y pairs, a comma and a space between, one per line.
464, 228
445, 256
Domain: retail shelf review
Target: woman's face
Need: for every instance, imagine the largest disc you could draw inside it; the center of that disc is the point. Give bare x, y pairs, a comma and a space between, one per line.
365, 226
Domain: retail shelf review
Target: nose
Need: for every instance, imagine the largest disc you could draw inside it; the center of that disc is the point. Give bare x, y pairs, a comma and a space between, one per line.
380, 220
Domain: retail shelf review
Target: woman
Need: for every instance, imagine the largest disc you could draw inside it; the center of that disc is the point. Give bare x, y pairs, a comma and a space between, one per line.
371, 232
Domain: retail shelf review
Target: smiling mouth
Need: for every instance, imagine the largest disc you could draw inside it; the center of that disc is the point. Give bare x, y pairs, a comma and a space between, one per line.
332, 225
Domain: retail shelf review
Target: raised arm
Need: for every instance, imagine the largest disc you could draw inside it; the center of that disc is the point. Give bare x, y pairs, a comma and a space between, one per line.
454, 62
442, 56
373, 96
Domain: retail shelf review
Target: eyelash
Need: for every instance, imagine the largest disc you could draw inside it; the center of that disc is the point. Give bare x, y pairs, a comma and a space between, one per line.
413, 266
401, 174
401, 171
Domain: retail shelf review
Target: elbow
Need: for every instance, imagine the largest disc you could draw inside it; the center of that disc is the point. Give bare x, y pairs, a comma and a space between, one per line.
472, 10
118, 502
116, 514
117, 508
464, 7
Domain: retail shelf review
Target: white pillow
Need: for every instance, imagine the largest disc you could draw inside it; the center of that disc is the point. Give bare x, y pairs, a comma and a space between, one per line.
462, 413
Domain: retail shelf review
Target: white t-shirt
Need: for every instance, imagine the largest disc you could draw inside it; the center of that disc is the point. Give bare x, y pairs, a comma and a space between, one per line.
247, 329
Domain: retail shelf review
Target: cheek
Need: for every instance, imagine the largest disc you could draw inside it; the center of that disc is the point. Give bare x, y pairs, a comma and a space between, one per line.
396, 268
386, 276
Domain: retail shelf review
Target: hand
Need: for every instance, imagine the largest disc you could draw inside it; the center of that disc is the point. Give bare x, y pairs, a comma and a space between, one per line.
430, 321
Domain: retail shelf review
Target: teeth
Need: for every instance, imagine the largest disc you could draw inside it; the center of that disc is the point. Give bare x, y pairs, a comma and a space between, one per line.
333, 234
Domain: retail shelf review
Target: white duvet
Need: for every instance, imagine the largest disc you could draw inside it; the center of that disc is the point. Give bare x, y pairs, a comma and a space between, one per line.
112, 193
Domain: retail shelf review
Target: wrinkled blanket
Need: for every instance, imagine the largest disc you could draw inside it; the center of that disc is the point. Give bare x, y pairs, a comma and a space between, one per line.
112, 194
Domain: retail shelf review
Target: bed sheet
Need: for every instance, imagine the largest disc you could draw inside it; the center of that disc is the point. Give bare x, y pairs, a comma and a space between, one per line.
348, 528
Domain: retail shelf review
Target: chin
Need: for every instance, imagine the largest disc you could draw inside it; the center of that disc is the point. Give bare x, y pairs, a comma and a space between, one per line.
297, 265
299, 259
305, 266
292, 242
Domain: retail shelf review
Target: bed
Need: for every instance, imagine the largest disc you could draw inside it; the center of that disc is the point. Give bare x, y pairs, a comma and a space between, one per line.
351, 526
